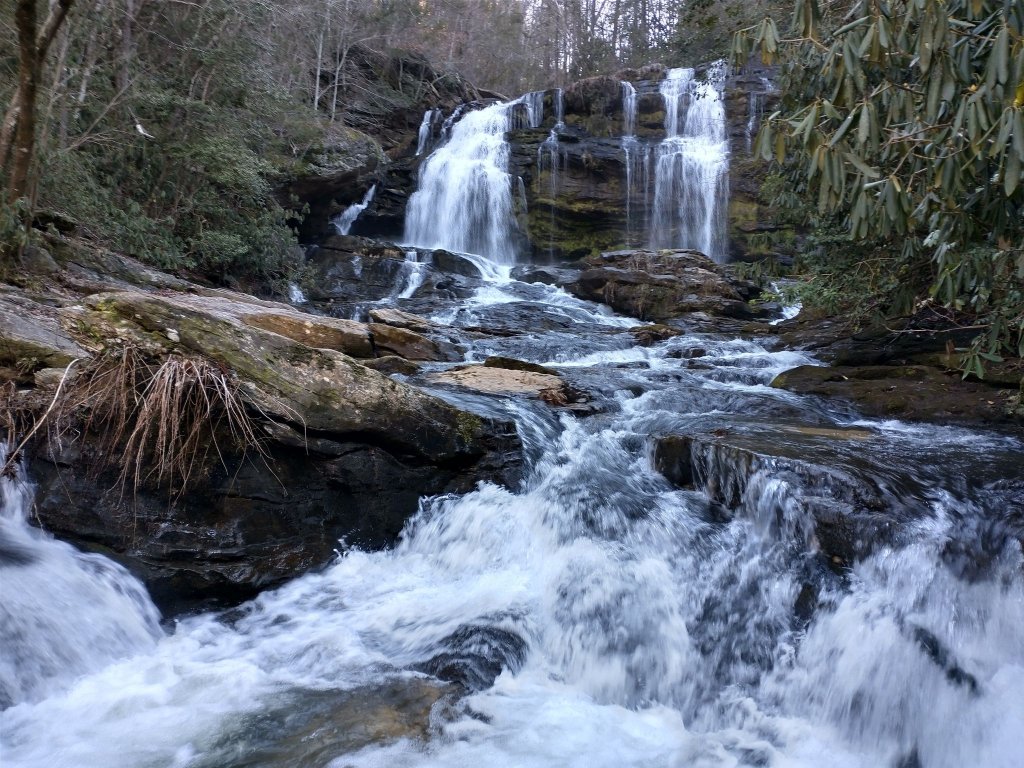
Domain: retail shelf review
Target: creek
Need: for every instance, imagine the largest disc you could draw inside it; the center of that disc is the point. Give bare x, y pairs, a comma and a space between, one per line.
595, 615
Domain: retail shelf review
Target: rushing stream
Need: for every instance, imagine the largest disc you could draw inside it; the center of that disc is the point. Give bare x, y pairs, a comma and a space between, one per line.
594, 616
632, 623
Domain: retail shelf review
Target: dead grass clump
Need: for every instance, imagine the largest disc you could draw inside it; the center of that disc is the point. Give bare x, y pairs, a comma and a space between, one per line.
158, 421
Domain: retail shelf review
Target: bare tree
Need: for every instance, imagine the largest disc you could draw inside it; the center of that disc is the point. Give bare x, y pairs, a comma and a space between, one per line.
18, 133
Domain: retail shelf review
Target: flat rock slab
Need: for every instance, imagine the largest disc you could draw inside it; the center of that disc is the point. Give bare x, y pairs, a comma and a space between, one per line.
31, 336
400, 319
498, 380
913, 392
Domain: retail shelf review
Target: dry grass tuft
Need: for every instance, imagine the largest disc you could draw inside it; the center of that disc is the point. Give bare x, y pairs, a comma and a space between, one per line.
158, 421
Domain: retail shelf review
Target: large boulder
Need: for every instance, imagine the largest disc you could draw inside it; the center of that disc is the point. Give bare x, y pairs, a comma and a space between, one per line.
661, 285
344, 453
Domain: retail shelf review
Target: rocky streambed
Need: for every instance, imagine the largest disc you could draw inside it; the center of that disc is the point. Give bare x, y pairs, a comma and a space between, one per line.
545, 516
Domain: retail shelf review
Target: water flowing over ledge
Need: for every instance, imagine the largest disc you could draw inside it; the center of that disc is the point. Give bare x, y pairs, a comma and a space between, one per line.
464, 199
692, 165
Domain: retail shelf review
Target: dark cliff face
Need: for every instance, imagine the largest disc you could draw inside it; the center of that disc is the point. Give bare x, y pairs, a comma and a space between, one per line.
580, 196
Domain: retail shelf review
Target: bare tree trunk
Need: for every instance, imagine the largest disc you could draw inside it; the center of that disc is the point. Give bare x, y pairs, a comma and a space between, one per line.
32, 48
127, 45
25, 99
319, 63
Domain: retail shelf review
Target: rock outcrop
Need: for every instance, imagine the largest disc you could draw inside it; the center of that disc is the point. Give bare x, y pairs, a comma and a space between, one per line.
338, 451
661, 285
801, 477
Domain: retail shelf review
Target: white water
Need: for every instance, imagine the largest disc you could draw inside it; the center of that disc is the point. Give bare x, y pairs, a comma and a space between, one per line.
654, 636
534, 102
464, 199
628, 109
414, 271
692, 165
755, 109
426, 127
63, 613
343, 222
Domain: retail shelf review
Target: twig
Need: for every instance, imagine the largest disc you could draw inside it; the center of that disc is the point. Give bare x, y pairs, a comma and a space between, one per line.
12, 457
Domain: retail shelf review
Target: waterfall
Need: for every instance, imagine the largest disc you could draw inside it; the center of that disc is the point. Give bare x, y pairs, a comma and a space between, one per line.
413, 272
64, 613
464, 199
426, 126
692, 165
628, 110
449, 122
755, 110
343, 222
637, 157
534, 102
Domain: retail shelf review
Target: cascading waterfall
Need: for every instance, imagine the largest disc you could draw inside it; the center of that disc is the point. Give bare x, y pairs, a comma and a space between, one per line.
464, 199
550, 153
534, 102
596, 614
426, 129
692, 165
632, 623
343, 222
63, 613
413, 272
637, 159
755, 110
628, 110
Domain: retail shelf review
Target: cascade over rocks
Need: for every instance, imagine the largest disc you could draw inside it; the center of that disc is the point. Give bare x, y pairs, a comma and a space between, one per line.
587, 171
374, 141
806, 474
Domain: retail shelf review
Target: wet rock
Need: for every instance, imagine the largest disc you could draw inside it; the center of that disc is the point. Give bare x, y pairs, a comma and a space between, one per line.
512, 364
545, 275
648, 335
453, 263
474, 656
673, 457
390, 364
317, 727
815, 475
349, 269
400, 319
392, 340
914, 392
662, 285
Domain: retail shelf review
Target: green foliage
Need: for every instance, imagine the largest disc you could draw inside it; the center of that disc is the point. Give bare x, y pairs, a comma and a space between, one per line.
704, 27
904, 123
170, 150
